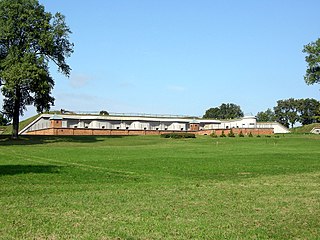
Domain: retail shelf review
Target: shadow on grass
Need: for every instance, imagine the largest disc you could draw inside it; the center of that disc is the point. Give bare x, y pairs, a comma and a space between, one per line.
22, 169
32, 140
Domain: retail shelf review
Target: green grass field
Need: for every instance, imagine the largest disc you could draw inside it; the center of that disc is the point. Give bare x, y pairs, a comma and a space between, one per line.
147, 187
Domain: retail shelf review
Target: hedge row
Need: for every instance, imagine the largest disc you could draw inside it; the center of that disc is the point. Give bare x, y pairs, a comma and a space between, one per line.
178, 135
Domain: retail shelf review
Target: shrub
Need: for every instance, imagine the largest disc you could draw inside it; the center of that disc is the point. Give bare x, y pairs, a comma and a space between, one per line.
178, 135
250, 134
258, 135
104, 113
222, 134
241, 134
231, 134
213, 134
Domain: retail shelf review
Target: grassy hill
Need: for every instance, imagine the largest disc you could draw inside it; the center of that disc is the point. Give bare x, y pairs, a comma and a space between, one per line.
8, 129
305, 129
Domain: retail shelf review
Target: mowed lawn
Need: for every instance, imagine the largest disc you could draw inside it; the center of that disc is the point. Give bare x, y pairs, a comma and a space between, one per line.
147, 187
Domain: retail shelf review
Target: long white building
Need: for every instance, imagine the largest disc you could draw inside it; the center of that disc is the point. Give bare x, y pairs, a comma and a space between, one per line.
81, 121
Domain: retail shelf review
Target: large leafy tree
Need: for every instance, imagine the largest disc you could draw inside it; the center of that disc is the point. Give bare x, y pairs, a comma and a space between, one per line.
266, 116
313, 60
224, 111
30, 38
286, 112
309, 110
291, 111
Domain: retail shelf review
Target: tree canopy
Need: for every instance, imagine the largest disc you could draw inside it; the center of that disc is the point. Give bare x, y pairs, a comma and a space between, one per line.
291, 111
225, 111
313, 60
266, 116
30, 38
286, 112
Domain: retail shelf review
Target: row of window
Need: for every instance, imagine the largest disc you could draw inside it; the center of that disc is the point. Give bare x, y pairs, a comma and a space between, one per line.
127, 128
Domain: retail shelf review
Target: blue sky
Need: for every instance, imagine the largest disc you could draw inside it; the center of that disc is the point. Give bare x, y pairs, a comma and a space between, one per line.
183, 56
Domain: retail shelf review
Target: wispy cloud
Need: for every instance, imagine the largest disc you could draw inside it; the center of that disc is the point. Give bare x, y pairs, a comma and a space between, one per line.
126, 84
79, 80
176, 88
89, 102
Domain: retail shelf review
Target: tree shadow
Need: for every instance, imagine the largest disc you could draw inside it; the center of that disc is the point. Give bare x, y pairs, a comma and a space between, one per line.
23, 169
33, 140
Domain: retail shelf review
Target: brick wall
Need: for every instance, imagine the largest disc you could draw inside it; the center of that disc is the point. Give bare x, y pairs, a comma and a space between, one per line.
245, 131
86, 131
55, 123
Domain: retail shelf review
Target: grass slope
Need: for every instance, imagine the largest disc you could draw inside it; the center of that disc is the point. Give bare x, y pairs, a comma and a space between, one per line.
8, 129
305, 129
147, 187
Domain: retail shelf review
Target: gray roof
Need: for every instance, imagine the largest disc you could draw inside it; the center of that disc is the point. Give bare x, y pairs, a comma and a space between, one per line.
56, 117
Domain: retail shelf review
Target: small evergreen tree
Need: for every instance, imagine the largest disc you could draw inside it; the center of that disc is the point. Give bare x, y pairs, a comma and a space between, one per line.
231, 134
213, 134
241, 134
222, 134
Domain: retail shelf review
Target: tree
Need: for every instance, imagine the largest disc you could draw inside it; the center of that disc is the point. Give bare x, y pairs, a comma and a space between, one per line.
103, 112
266, 116
309, 110
212, 113
291, 111
313, 59
230, 111
29, 39
225, 111
286, 112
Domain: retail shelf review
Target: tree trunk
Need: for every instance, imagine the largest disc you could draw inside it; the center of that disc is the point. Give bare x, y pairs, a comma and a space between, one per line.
16, 114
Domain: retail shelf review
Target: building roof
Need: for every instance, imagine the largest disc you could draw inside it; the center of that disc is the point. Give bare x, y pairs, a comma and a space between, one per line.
56, 117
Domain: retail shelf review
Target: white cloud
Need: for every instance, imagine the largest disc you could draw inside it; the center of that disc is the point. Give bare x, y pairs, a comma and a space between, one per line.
126, 84
79, 80
176, 88
89, 102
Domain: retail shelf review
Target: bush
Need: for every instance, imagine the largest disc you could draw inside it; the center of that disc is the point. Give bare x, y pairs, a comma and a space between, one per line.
222, 134
241, 134
258, 135
213, 134
178, 135
231, 134
103, 113
250, 134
